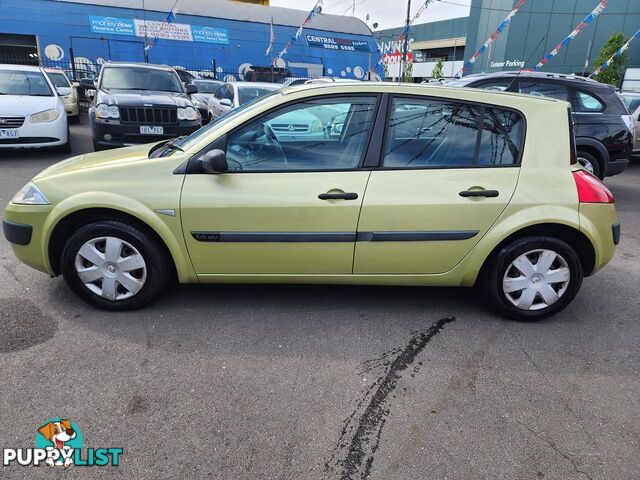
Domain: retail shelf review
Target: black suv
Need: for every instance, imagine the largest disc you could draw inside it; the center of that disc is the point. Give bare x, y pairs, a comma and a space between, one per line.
140, 103
602, 124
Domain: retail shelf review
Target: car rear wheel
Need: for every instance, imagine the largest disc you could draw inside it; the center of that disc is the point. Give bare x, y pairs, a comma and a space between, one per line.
115, 266
532, 278
590, 163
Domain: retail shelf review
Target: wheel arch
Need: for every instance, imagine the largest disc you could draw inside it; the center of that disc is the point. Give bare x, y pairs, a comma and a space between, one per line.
574, 237
67, 224
595, 148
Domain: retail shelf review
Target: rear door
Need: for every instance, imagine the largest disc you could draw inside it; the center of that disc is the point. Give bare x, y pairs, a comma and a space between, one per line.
448, 171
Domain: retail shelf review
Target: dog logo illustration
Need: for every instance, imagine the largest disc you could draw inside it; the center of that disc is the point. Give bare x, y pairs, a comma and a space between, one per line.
61, 435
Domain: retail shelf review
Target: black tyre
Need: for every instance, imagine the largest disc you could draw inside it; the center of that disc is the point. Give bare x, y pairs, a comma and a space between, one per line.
590, 163
532, 278
115, 266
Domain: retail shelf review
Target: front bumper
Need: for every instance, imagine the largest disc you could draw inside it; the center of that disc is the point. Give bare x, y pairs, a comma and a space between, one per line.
38, 135
17, 233
23, 228
119, 135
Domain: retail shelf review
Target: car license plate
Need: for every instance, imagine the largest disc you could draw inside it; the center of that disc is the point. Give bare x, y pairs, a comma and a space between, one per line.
6, 133
151, 130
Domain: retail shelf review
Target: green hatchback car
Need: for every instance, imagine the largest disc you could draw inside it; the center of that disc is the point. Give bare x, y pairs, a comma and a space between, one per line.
418, 186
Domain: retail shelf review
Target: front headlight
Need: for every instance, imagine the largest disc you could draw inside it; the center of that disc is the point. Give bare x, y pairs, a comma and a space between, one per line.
107, 111
188, 113
30, 195
46, 116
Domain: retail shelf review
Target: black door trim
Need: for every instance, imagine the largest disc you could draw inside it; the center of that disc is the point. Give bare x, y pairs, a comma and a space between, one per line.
322, 237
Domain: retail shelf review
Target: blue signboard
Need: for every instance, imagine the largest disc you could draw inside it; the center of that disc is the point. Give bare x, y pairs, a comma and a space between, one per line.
210, 34
112, 25
334, 43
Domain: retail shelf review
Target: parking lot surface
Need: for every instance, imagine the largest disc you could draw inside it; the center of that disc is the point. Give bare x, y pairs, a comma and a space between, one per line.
323, 382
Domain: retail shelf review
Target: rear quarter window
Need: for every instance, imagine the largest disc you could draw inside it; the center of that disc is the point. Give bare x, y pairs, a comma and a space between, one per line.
588, 103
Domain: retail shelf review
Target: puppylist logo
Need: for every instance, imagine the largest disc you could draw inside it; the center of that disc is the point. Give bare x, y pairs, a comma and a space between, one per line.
59, 443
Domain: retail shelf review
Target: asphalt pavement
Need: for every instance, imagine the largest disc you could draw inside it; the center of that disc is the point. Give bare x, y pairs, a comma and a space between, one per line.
324, 382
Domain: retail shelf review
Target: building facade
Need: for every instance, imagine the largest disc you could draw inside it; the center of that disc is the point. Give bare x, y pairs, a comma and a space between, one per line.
537, 28
221, 36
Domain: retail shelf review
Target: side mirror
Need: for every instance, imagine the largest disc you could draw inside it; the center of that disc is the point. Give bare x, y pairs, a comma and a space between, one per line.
75, 84
215, 161
87, 84
225, 102
191, 89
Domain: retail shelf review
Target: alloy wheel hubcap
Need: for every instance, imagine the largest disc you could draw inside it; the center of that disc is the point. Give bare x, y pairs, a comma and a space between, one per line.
536, 279
586, 164
111, 268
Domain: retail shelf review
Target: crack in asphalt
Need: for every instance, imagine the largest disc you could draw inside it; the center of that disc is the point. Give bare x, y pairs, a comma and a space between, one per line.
365, 430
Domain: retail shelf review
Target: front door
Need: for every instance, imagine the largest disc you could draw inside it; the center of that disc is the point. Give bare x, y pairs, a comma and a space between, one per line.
449, 170
289, 203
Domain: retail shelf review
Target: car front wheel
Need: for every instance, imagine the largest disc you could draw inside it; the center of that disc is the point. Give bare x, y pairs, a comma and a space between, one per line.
115, 266
532, 278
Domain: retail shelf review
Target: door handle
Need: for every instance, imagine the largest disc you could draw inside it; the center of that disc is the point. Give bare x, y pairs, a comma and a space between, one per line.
338, 196
479, 193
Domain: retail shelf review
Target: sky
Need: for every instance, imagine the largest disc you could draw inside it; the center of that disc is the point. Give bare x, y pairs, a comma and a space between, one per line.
387, 13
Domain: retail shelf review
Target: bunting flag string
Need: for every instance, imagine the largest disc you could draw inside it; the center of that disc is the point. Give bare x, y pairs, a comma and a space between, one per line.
469, 63
405, 31
314, 11
588, 19
620, 51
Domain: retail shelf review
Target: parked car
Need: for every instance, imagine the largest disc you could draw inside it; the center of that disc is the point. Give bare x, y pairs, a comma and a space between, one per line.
140, 103
232, 95
32, 114
438, 186
293, 81
603, 126
632, 100
67, 90
206, 89
267, 74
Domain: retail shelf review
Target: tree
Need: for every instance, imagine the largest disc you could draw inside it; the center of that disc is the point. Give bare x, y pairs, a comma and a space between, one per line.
614, 73
408, 75
437, 70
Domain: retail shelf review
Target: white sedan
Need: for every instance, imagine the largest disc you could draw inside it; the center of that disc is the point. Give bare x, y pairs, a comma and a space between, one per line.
32, 113
232, 95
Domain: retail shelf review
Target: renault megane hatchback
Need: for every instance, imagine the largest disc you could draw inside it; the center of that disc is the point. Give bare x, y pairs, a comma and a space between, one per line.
409, 186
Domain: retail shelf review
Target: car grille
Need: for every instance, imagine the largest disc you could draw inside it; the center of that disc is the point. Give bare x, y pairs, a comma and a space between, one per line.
290, 128
148, 116
11, 122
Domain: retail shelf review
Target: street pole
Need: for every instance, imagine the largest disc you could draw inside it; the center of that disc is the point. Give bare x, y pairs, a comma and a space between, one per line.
405, 47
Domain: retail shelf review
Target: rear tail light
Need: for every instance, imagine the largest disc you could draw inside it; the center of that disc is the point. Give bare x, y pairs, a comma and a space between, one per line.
590, 189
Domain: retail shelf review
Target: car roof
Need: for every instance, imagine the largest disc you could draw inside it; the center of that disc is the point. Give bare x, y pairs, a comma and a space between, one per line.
25, 68
531, 74
414, 89
136, 65
274, 86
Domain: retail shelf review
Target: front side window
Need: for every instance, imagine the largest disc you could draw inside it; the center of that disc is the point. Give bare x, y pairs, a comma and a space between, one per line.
544, 89
588, 103
317, 134
125, 78
18, 82
425, 133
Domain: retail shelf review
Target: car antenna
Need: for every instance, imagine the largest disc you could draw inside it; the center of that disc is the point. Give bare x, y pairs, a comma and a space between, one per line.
525, 63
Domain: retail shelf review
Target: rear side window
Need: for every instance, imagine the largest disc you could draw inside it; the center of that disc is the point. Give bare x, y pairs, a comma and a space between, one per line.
495, 85
588, 103
426, 133
544, 89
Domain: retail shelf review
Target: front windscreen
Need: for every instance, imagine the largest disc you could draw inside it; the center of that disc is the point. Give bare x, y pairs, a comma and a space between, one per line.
207, 86
132, 78
20, 82
58, 79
